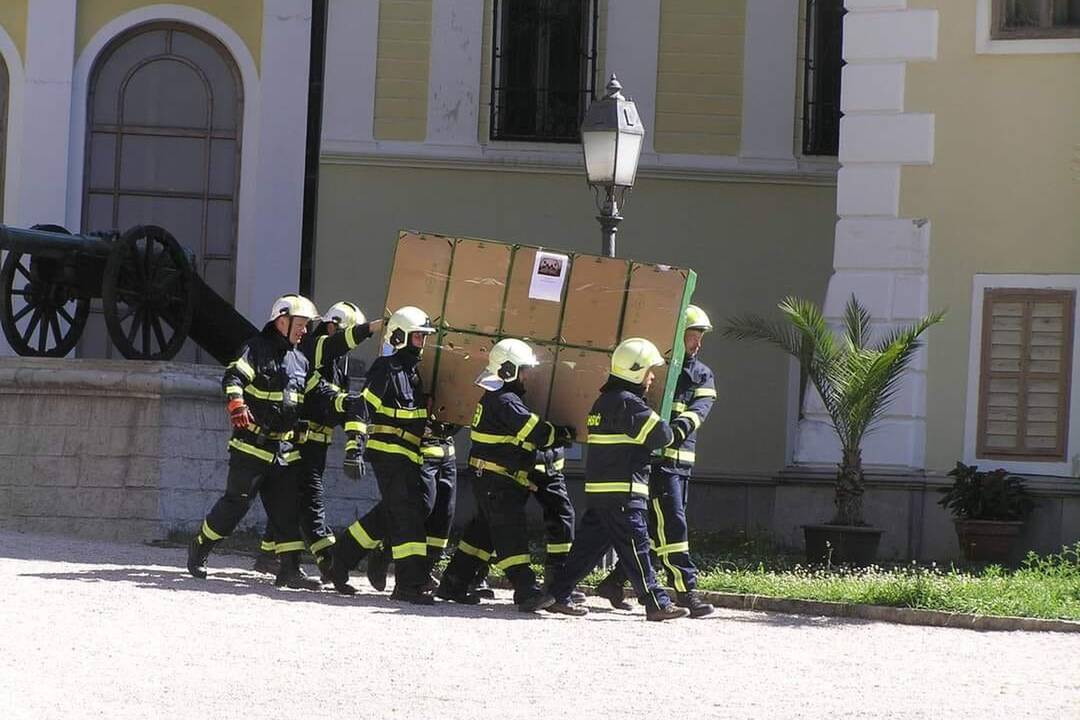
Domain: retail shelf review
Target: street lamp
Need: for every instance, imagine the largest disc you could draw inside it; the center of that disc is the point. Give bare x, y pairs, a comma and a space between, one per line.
611, 137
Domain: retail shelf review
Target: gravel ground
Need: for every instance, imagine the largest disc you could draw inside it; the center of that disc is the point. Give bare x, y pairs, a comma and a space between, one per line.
93, 630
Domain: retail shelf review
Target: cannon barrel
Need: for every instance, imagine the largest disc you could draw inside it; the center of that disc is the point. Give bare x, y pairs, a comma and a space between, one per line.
46, 243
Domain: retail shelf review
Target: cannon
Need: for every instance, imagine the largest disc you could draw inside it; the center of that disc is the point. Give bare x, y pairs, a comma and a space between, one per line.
144, 277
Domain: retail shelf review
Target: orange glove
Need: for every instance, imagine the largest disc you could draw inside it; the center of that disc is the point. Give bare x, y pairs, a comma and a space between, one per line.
240, 415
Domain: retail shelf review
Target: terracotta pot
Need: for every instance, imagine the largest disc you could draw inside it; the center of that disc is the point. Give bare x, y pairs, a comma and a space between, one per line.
989, 540
852, 544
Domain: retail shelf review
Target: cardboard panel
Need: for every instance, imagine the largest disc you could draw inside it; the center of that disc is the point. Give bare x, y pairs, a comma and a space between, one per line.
594, 301
655, 396
579, 374
462, 356
654, 304
525, 317
420, 272
539, 381
477, 286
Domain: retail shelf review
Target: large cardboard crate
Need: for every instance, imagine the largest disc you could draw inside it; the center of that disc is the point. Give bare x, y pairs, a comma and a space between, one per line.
480, 291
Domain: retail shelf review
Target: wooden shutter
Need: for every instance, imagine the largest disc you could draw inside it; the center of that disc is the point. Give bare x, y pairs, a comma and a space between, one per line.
1025, 373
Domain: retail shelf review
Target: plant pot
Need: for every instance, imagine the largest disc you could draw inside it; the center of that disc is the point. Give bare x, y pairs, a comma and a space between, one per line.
987, 540
851, 544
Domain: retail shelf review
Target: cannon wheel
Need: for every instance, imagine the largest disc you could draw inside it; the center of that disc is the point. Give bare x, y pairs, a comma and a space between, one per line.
147, 294
40, 315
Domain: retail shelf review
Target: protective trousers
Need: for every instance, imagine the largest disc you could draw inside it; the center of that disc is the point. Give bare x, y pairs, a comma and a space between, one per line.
407, 500
312, 507
440, 472
498, 528
604, 527
558, 514
275, 484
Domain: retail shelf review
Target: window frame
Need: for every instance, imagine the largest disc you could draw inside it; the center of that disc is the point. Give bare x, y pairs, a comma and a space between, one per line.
1067, 465
1045, 31
811, 144
586, 81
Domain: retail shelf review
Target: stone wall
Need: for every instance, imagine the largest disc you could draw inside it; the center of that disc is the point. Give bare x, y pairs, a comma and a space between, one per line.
123, 450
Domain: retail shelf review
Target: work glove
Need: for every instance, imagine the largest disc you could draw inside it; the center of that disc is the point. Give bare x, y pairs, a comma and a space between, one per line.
354, 405
564, 435
681, 430
353, 464
240, 415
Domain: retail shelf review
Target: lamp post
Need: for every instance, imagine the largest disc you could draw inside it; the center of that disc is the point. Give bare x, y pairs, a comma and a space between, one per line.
611, 137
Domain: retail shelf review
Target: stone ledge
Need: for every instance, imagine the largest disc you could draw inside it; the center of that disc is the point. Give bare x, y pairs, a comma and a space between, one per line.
81, 377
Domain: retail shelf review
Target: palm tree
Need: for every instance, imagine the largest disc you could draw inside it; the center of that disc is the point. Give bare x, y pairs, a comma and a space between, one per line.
855, 377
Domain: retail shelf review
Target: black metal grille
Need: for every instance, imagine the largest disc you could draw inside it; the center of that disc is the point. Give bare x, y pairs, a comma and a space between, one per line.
821, 86
543, 68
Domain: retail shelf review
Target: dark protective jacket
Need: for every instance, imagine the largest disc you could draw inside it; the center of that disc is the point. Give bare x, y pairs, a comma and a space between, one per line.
505, 434
269, 375
396, 405
695, 393
326, 392
623, 431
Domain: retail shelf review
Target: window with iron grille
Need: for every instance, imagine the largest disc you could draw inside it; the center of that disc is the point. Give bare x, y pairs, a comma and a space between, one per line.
1025, 372
543, 68
1029, 19
821, 82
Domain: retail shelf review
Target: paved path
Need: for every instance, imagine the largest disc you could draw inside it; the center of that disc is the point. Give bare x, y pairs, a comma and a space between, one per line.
95, 630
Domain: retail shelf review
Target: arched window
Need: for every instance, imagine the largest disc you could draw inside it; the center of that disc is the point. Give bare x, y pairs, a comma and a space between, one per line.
3, 131
163, 136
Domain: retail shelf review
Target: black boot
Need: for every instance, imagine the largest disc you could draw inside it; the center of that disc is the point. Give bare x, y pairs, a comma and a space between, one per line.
378, 563
198, 551
413, 595
452, 589
328, 574
266, 562
480, 587
667, 612
611, 589
432, 582
291, 576
692, 601
576, 596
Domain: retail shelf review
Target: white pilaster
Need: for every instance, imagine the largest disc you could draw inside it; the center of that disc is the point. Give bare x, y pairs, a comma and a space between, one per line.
457, 36
352, 40
268, 263
13, 149
879, 256
42, 184
772, 28
632, 53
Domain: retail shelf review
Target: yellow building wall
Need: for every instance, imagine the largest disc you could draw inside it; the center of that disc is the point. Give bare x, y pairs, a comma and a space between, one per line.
747, 255
485, 63
401, 74
13, 20
243, 16
700, 77
1003, 194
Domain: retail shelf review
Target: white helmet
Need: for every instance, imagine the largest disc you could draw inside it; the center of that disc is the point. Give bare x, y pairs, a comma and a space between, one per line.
632, 359
344, 314
293, 305
403, 323
505, 362
696, 319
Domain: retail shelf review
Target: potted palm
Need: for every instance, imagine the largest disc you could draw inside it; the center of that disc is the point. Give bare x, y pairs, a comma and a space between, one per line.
856, 377
988, 507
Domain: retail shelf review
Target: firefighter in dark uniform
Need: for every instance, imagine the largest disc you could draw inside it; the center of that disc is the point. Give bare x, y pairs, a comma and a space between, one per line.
623, 433
397, 417
695, 393
505, 436
557, 510
439, 469
265, 388
325, 406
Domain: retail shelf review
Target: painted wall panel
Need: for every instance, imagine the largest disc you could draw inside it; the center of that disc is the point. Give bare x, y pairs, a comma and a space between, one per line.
700, 76
401, 74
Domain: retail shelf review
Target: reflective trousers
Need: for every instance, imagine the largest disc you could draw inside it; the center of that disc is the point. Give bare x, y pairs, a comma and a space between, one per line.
312, 506
440, 473
274, 484
558, 514
602, 528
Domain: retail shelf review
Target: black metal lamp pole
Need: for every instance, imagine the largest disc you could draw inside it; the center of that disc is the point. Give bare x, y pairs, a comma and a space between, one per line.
609, 219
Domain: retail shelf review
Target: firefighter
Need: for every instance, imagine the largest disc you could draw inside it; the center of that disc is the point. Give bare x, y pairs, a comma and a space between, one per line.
695, 392
505, 435
557, 511
325, 405
265, 388
623, 432
397, 418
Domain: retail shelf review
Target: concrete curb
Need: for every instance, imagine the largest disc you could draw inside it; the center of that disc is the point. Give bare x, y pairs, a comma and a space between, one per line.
880, 613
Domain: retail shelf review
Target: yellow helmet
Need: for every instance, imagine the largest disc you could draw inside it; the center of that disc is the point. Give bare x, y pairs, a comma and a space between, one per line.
293, 305
632, 359
344, 314
403, 323
505, 362
696, 319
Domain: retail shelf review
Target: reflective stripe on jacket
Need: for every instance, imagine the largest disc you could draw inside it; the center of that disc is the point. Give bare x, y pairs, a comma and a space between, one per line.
695, 393
505, 434
396, 407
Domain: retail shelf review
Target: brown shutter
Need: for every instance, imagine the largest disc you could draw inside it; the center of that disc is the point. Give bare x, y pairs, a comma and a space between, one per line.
1025, 373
